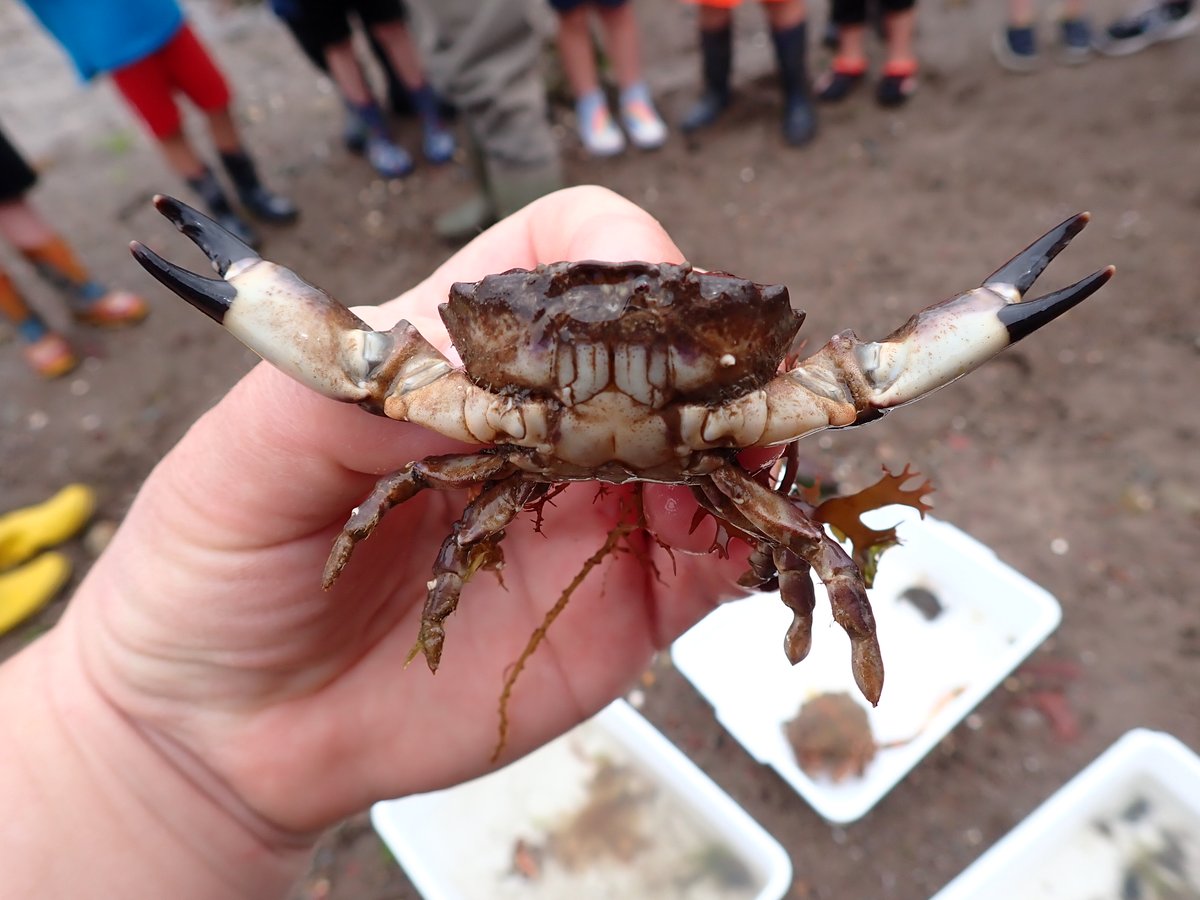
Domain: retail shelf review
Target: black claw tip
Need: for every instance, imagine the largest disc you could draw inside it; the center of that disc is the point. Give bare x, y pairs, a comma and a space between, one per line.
218, 244
211, 296
1023, 269
1029, 315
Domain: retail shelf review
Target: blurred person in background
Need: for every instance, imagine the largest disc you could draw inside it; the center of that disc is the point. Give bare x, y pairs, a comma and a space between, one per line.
898, 81
789, 35
639, 119
152, 54
1016, 44
326, 28
47, 352
1166, 20
485, 60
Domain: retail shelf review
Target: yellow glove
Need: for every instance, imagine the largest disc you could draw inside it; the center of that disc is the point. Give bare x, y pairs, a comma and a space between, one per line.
23, 532
25, 590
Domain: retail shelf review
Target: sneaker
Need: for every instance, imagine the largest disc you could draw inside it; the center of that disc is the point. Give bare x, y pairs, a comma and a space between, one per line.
388, 159
841, 78
643, 124
1015, 49
112, 309
597, 130
438, 144
50, 356
1166, 21
897, 83
1076, 37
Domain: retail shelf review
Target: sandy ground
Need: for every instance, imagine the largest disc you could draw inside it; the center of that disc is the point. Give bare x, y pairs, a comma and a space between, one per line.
1073, 456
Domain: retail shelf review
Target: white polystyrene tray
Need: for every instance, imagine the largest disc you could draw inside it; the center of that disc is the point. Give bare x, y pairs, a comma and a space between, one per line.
1133, 813
992, 618
457, 844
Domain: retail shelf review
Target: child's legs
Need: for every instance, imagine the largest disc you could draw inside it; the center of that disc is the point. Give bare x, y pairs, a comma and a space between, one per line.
622, 41
714, 18
783, 14
401, 51
850, 17
193, 71
23, 226
1020, 13
146, 87
575, 47
14, 308
347, 73
1074, 9
900, 18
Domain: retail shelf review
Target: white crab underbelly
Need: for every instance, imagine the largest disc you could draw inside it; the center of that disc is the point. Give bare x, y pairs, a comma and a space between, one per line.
612, 427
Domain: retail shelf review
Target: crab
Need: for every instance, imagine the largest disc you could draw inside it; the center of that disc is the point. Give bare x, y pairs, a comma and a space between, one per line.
617, 373
831, 735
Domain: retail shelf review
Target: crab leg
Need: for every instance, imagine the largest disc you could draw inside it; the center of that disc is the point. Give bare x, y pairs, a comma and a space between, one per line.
796, 590
785, 525
447, 473
291, 323
850, 382
473, 543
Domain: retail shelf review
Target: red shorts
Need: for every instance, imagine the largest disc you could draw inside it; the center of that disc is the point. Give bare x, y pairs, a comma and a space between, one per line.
183, 65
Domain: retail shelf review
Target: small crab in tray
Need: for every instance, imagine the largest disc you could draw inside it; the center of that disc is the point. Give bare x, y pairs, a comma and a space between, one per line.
617, 373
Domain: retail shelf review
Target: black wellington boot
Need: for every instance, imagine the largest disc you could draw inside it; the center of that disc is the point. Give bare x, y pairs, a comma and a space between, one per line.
716, 49
209, 189
799, 114
262, 202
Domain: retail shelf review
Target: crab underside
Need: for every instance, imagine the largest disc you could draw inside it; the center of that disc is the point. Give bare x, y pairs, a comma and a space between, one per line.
617, 372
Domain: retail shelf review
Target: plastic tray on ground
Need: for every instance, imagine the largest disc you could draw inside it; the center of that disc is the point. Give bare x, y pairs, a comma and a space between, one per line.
1126, 826
610, 809
937, 669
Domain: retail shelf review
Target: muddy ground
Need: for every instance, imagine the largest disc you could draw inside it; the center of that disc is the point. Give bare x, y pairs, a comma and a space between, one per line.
1074, 456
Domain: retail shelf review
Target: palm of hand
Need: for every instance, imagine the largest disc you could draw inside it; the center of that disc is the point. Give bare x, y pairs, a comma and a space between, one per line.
215, 632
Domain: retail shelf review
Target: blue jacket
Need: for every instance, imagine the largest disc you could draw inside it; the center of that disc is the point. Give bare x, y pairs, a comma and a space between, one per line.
103, 35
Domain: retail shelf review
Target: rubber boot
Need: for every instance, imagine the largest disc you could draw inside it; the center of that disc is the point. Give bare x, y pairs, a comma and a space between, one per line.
514, 188
716, 50
799, 114
463, 222
213, 196
26, 590
26, 531
262, 202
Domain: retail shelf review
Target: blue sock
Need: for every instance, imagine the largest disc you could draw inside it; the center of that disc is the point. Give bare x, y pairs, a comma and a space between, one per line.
32, 329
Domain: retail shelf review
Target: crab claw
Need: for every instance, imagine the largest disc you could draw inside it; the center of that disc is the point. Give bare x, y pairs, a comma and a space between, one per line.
952, 338
287, 321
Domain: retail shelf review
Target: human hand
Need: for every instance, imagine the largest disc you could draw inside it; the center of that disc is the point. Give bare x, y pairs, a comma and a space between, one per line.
205, 624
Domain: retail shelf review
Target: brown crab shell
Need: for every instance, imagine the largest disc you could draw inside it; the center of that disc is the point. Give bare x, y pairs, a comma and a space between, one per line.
703, 336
